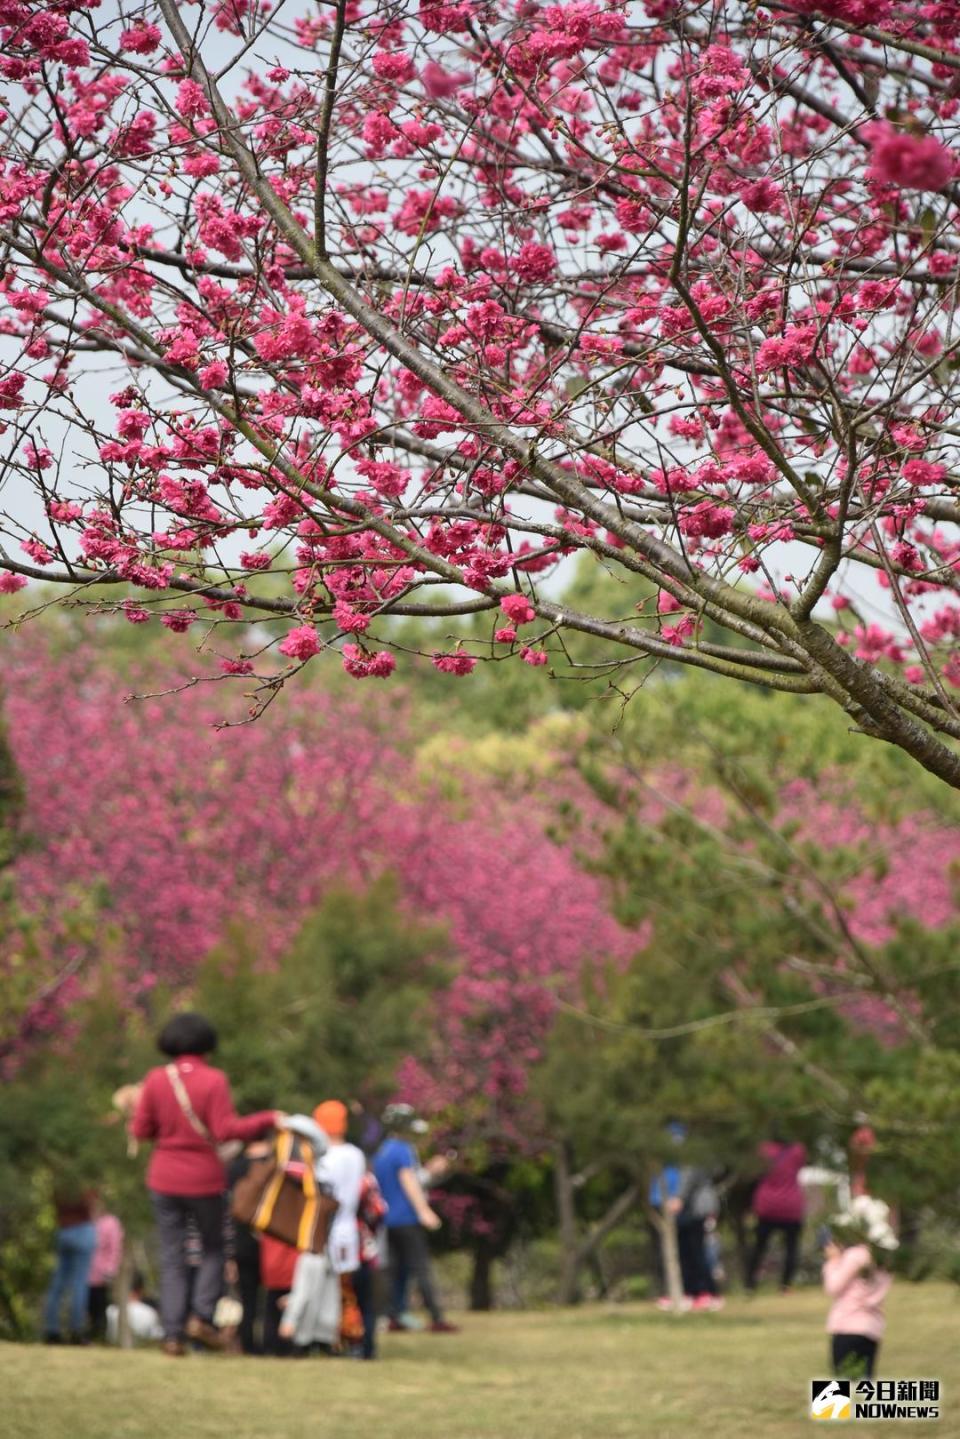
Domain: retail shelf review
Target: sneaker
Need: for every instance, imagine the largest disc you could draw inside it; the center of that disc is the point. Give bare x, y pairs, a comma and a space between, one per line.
440, 1326
173, 1349
667, 1306
202, 1332
702, 1302
395, 1327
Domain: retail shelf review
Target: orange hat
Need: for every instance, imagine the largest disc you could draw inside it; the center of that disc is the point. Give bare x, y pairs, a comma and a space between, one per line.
331, 1116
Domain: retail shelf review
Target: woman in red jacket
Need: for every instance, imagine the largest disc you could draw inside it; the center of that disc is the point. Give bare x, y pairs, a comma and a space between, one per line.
779, 1203
186, 1109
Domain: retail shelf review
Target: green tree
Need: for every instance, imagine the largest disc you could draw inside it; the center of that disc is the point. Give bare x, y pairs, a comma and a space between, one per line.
346, 1003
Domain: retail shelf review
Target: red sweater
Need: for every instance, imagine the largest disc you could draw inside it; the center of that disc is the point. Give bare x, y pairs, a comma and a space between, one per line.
779, 1196
183, 1162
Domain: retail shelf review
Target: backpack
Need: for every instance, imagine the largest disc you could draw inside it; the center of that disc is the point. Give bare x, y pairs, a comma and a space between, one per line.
701, 1199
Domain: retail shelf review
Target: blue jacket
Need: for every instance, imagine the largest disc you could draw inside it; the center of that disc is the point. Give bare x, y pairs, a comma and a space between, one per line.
672, 1174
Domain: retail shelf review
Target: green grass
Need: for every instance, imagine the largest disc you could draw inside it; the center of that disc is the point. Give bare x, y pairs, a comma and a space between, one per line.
593, 1373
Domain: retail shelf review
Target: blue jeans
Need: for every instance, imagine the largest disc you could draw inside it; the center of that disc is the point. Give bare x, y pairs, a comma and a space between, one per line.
75, 1247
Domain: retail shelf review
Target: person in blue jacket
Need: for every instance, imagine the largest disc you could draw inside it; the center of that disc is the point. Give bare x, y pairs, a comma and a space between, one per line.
409, 1215
687, 1192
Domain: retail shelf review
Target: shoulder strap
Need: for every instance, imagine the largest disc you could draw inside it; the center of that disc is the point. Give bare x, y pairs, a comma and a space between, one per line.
183, 1099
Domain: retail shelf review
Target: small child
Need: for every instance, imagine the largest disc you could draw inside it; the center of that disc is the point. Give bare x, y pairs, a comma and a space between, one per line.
858, 1286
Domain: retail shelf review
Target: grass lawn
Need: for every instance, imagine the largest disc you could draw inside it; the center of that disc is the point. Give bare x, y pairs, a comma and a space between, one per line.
593, 1373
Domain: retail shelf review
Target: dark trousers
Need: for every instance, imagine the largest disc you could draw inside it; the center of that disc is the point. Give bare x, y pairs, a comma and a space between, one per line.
272, 1319
410, 1260
853, 1355
791, 1249
694, 1269
248, 1287
97, 1300
172, 1212
364, 1287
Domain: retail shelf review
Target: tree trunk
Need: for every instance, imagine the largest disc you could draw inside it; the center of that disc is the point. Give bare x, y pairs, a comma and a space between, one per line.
121, 1297
481, 1280
603, 1288
9, 1308
568, 1290
666, 1226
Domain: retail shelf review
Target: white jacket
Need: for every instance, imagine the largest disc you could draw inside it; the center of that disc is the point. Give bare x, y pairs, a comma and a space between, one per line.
342, 1169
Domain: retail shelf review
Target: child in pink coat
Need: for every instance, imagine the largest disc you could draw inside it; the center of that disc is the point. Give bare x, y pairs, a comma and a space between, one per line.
856, 1320
104, 1268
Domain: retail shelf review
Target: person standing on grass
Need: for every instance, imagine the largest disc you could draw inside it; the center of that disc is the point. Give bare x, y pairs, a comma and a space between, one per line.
855, 1278
278, 1266
699, 1203
688, 1194
409, 1216
312, 1309
779, 1205
104, 1269
76, 1242
243, 1251
185, 1108
342, 1167
370, 1216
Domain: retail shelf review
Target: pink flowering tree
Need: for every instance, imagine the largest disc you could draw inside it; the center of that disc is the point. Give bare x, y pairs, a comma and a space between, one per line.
343, 313
175, 841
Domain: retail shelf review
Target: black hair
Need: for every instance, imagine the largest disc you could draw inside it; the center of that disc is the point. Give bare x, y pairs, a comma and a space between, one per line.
187, 1034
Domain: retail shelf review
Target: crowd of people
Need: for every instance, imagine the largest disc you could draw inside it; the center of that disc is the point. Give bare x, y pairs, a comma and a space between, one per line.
226, 1284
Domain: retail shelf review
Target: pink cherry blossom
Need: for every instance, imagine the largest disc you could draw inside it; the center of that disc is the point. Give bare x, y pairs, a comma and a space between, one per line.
909, 161
454, 664
518, 609
301, 643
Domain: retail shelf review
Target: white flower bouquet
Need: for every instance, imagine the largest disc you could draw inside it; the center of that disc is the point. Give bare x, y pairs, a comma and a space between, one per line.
866, 1221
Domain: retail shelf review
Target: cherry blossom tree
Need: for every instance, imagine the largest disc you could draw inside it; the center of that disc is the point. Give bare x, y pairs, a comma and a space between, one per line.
339, 313
159, 846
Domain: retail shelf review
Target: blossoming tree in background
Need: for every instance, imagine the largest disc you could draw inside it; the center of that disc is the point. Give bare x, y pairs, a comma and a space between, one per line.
252, 828
360, 310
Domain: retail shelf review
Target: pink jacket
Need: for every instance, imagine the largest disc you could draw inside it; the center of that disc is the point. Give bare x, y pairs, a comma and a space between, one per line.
106, 1257
857, 1296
